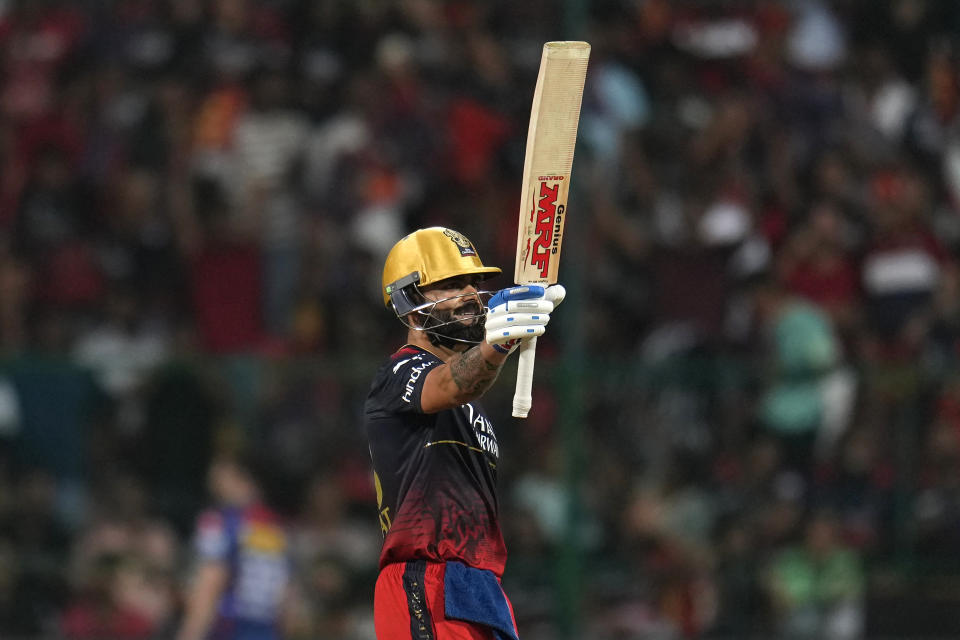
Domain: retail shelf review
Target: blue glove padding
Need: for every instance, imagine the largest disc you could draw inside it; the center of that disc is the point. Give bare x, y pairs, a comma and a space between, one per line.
520, 312
515, 293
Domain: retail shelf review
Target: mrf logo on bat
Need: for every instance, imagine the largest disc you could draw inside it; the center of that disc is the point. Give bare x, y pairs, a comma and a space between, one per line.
545, 227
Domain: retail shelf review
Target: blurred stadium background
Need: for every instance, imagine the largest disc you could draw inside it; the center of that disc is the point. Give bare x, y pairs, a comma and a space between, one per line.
747, 418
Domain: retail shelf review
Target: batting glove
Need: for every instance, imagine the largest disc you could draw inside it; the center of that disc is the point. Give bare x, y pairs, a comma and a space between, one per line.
520, 312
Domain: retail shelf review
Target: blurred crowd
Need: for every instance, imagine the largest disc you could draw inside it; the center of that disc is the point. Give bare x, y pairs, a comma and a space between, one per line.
196, 198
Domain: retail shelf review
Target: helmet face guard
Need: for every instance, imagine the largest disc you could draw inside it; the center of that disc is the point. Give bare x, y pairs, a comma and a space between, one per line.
407, 299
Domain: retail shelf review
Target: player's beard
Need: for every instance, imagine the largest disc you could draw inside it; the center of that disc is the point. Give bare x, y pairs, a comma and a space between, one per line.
454, 329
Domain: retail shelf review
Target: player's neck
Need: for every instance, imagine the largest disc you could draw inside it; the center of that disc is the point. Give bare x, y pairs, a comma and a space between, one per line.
420, 339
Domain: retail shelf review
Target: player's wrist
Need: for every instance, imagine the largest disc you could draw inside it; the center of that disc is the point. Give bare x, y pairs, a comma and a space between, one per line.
505, 348
495, 353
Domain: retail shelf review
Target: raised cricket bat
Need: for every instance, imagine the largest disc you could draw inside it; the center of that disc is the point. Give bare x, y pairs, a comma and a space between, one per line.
551, 139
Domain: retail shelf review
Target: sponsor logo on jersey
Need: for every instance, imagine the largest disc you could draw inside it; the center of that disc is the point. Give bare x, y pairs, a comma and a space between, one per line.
482, 430
415, 372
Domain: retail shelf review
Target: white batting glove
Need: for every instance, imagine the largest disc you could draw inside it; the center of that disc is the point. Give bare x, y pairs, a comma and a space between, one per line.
520, 312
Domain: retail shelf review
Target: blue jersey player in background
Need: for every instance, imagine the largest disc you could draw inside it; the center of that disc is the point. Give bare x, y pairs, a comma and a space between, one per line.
243, 569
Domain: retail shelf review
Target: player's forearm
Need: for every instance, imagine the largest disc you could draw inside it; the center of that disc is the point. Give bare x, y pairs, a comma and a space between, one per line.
196, 622
200, 613
465, 377
475, 370
201, 607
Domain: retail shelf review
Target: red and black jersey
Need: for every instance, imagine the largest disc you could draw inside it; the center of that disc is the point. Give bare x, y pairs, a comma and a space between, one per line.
436, 474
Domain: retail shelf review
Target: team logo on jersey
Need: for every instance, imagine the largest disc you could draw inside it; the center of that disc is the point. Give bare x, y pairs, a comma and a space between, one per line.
466, 249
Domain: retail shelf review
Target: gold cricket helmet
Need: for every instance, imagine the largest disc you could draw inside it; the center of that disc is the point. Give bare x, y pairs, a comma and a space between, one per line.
424, 257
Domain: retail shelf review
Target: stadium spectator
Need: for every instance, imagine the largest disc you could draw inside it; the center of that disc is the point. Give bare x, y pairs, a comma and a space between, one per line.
242, 571
817, 586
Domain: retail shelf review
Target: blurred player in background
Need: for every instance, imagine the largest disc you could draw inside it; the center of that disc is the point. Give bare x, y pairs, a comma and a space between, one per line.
434, 450
243, 568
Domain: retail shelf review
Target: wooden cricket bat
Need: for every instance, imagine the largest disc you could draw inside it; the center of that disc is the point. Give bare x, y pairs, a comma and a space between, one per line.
551, 139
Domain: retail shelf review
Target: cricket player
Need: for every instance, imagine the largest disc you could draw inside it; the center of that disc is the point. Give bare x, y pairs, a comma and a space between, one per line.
434, 450
243, 568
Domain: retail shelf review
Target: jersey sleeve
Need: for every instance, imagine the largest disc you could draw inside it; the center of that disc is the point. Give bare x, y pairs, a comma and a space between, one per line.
212, 541
400, 382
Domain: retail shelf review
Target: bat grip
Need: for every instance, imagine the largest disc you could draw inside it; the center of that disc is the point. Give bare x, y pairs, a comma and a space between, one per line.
522, 399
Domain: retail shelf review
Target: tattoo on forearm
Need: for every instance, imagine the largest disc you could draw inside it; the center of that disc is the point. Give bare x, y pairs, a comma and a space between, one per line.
472, 373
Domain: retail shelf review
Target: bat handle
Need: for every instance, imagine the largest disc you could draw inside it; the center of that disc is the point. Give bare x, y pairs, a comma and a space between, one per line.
522, 399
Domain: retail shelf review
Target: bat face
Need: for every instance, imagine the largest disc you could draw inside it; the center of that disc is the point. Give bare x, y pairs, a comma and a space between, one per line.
539, 257
551, 139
